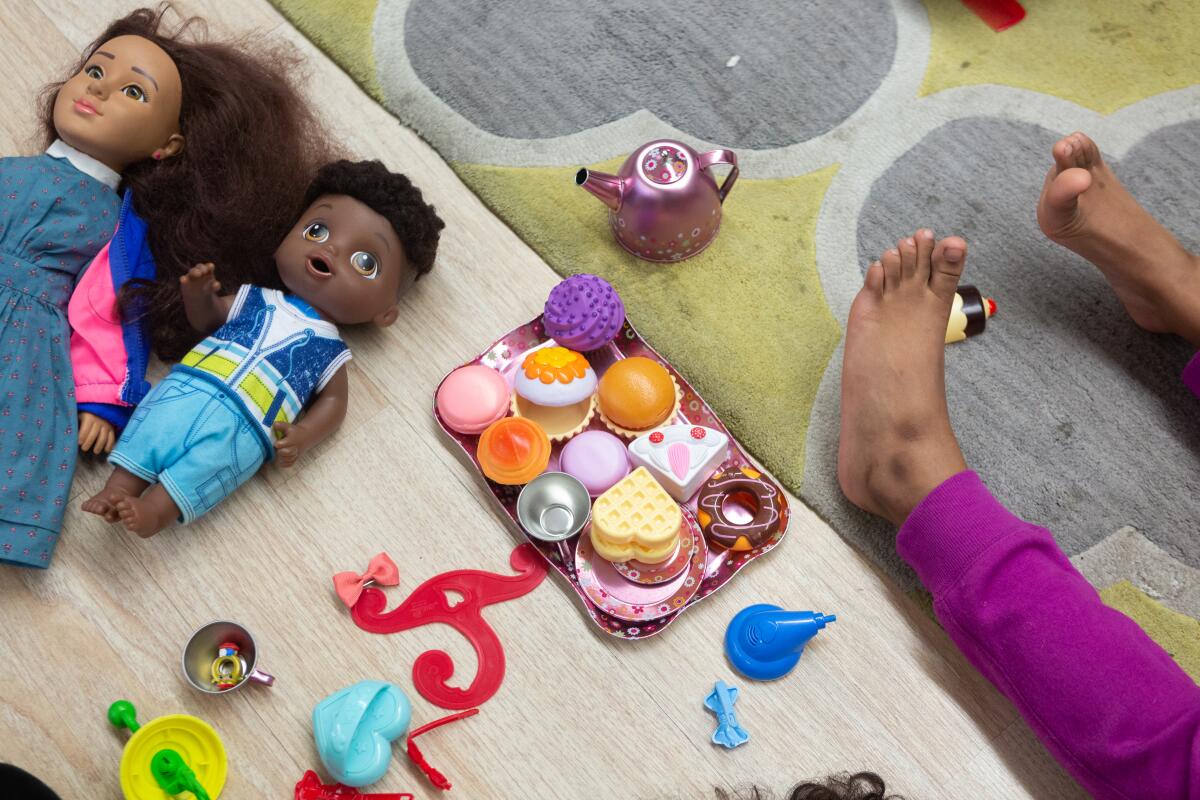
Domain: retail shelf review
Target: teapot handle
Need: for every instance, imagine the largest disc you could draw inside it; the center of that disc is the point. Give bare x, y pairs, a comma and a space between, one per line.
721, 157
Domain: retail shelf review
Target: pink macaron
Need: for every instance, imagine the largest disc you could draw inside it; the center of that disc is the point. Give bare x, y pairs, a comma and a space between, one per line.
472, 398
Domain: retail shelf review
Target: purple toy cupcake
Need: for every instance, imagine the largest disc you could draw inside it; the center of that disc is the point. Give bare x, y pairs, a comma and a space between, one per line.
584, 313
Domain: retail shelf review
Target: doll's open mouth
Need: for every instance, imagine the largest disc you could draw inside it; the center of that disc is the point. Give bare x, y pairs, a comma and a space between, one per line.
319, 267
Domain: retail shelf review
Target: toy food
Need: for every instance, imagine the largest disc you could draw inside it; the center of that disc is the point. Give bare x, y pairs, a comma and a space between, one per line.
597, 459
554, 389
969, 314
745, 488
680, 457
513, 451
584, 312
471, 398
637, 394
636, 519
555, 376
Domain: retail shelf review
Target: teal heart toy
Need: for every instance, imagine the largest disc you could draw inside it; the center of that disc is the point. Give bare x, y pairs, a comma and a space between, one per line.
354, 729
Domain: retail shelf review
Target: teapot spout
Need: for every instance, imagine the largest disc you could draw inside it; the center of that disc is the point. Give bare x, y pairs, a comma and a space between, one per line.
602, 185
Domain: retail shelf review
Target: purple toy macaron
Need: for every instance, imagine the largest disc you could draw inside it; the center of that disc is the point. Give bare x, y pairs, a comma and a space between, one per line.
597, 459
584, 313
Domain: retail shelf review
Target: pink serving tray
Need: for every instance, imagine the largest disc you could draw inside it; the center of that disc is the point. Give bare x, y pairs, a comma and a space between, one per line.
720, 566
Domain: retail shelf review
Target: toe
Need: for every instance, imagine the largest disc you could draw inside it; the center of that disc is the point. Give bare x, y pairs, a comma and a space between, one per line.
1063, 192
874, 279
891, 269
924, 239
1087, 152
1058, 206
946, 267
1063, 152
908, 257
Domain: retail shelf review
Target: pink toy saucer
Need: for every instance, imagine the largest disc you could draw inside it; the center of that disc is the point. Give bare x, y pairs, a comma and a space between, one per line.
638, 602
653, 574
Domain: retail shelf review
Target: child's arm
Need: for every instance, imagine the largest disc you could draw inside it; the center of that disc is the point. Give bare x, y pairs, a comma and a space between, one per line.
321, 419
1108, 702
206, 310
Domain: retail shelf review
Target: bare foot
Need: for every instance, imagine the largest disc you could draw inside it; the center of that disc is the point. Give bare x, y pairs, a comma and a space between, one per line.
896, 442
1085, 208
104, 504
121, 483
148, 514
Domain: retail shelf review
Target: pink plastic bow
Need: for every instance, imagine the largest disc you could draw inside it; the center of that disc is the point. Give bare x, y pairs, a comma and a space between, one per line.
349, 585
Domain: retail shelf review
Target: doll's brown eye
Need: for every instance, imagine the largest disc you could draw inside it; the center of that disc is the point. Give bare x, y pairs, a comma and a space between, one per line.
94, 72
316, 232
366, 264
134, 92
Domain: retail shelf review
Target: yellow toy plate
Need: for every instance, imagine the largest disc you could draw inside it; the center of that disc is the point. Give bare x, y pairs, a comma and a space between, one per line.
194, 740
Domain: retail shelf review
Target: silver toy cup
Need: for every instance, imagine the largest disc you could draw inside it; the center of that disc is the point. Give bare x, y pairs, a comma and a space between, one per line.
205, 669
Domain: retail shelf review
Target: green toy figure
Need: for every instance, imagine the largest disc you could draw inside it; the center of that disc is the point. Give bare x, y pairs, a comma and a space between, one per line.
237, 399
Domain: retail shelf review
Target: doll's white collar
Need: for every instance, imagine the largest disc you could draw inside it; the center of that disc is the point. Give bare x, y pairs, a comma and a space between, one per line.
84, 163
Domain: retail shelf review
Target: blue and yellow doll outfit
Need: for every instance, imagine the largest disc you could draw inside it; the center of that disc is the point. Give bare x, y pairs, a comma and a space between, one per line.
206, 428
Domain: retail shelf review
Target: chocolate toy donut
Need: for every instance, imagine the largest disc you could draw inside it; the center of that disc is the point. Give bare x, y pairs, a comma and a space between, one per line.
767, 521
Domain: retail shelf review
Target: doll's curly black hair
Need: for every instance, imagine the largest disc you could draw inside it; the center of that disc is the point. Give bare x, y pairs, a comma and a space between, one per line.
391, 195
252, 143
859, 786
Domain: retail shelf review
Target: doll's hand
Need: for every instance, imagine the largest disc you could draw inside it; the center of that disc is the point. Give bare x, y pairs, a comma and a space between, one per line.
199, 282
96, 434
291, 443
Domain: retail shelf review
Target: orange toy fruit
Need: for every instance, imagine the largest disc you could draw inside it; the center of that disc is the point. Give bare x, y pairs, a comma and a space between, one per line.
637, 393
513, 451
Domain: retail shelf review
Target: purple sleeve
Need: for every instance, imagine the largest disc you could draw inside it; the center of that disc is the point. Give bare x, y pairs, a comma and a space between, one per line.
1108, 702
1191, 375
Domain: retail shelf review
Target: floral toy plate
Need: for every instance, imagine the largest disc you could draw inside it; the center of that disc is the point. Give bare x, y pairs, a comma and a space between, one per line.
710, 566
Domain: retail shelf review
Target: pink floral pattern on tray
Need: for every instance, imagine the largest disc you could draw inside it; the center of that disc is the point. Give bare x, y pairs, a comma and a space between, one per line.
720, 565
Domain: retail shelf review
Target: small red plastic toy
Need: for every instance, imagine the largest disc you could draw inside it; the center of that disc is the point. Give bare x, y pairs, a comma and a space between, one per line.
310, 788
998, 14
428, 604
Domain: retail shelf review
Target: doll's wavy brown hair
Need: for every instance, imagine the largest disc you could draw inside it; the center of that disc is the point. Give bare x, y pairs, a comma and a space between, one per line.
252, 144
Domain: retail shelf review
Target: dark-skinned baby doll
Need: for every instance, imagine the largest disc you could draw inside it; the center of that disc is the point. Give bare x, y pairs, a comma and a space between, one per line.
269, 381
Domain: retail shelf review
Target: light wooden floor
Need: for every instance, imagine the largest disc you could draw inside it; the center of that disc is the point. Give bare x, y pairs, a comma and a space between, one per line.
579, 715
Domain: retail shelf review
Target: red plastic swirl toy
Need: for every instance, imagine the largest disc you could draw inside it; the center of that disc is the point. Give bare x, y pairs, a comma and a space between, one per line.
428, 604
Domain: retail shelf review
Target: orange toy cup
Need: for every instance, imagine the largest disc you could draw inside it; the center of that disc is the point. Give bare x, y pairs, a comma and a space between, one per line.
513, 451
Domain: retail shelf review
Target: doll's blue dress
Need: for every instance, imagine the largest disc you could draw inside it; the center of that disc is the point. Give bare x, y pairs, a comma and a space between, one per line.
57, 210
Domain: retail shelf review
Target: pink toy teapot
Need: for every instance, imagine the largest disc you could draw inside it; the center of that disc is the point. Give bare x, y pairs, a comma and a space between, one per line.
663, 204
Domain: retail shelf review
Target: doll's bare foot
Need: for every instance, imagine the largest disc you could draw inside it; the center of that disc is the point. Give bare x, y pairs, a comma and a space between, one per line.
104, 504
896, 443
148, 514
1085, 208
121, 484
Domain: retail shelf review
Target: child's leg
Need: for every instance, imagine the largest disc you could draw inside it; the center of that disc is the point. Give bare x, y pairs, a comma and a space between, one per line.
148, 514
121, 484
1107, 701
1085, 208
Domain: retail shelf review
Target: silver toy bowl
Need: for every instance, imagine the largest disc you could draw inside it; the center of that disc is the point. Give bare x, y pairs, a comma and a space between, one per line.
553, 507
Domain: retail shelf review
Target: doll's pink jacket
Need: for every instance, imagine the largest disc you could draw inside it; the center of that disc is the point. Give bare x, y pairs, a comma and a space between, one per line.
109, 355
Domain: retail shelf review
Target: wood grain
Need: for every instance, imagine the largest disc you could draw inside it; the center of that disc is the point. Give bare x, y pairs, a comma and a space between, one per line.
579, 715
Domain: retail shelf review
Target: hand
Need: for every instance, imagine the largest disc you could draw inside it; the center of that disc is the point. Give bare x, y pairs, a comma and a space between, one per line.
200, 281
96, 434
290, 443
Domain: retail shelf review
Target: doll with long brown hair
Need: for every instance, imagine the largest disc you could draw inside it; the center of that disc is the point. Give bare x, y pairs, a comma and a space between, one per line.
213, 147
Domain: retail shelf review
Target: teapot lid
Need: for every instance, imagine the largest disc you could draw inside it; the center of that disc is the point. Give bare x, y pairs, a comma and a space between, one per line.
665, 163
